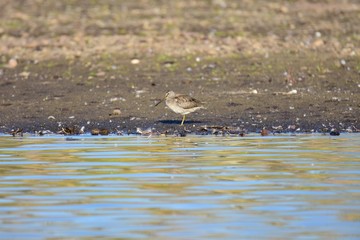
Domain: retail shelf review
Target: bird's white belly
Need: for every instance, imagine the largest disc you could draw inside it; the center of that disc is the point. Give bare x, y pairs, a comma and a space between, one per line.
179, 110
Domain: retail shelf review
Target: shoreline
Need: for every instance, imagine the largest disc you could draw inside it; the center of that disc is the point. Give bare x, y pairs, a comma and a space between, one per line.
172, 128
279, 65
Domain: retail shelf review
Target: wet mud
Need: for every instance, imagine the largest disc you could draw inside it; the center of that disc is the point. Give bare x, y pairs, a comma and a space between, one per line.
103, 65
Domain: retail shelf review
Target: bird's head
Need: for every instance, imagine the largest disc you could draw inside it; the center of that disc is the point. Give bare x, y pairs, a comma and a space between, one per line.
167, 94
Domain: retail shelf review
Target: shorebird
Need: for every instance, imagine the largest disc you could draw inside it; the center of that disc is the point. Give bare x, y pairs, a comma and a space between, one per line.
181, 103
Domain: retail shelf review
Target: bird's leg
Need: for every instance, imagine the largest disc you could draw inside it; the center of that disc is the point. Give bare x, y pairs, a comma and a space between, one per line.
182, 123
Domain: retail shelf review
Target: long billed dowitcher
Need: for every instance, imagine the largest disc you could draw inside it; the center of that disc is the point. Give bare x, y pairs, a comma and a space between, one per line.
181, 103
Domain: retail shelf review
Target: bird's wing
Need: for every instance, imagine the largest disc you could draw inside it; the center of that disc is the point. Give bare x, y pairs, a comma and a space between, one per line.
186, 102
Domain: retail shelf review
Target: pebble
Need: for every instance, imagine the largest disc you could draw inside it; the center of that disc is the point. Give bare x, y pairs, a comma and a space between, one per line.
135, 61
277, 127
12, 63
24, 74
17, 132
100, 74
264, 132
97, 131
318, 43
318, 34
116, 111
145, 132
334, 132
294, 91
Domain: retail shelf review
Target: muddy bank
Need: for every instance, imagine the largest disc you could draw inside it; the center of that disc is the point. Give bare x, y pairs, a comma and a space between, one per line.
273, 65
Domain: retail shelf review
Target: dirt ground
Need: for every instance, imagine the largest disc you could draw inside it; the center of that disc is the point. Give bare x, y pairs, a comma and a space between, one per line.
281, 65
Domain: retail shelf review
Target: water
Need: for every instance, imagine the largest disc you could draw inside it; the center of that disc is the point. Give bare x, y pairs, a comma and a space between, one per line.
196, 187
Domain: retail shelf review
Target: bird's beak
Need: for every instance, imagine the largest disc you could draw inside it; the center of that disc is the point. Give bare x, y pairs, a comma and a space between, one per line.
160, 102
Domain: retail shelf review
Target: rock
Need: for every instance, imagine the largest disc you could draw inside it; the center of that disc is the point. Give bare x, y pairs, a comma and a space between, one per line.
318, 34
146, 132
264, 132
104, 131
68, 131
97, 131
100, 74
135, 61
115, 112
24, 75
318, 43
277, 128
294, 91
17, 132
334, 132
12, 63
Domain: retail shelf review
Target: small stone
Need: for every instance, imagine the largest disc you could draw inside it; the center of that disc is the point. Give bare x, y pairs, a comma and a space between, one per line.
24, 75
68, 131
116, 111
12, 63
292, 127
334, 132
264, 132
17, 132
51, 117
138, 92
95, 131
146, 132
77, 54
318, 34
100, 74
318, 43
284, 9
104, 131
277, 127
294, 91
135, 61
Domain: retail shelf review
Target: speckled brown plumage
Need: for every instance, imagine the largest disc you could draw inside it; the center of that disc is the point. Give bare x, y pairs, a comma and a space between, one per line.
181, 103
